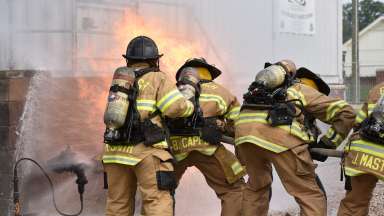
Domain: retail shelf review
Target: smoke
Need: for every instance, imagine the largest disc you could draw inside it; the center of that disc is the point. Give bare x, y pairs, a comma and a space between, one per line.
76, 57
65, 108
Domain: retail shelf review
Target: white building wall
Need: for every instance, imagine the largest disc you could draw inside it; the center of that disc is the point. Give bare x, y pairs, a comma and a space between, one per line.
239, 36
53, 34
4, 32
243, 35
320, 52
371, 54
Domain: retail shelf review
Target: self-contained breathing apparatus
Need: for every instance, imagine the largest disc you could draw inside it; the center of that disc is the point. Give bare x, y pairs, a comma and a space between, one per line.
196, 124
131, 129
269, 92
372, 128
122, 119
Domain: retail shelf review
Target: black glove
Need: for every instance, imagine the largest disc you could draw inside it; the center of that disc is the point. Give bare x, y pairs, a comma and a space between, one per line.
210, 132
152, 133
322, 143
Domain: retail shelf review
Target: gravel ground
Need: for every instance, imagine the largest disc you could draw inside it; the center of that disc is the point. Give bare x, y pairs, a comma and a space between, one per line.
377, 203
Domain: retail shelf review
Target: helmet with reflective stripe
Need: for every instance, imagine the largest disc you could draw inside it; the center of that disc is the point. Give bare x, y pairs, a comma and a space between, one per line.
142, 48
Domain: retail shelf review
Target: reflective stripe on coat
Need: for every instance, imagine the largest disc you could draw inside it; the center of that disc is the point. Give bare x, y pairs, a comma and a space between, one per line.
252, 125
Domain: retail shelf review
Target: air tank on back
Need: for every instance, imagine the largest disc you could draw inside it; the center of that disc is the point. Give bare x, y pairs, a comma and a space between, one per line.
271, 77
372, 128
189, 79
118, 103
378, 113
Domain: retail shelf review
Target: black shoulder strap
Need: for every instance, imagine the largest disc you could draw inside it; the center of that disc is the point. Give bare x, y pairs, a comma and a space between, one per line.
139, 73
205, 81
143, 71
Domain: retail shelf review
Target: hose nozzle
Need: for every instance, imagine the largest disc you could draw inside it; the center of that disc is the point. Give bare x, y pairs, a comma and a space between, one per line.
68, 161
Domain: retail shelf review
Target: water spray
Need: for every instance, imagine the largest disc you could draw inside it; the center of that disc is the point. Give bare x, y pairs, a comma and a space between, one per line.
66, 161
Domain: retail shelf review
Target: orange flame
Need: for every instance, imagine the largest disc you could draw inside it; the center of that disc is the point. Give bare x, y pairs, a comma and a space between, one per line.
176, 51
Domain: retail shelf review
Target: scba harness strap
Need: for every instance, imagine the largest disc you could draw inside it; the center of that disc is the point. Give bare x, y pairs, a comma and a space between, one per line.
280, 110
196, 125
138, 73
134, 130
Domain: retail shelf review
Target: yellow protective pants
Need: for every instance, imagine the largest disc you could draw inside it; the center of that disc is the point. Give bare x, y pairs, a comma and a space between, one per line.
229, 194
296, 171
123, 181
356, 201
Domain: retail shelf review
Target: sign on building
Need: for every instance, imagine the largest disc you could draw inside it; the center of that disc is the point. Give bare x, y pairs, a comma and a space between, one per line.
296, 16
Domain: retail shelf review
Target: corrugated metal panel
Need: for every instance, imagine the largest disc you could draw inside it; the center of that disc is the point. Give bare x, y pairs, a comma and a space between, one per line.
94, 39
4, 35
245, 37
42, 34
54, 34
237, 36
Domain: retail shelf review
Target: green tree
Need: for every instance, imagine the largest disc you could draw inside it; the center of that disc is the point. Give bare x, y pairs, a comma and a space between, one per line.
369, 11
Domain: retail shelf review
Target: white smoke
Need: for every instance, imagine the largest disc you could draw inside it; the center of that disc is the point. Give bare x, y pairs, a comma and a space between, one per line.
67, 37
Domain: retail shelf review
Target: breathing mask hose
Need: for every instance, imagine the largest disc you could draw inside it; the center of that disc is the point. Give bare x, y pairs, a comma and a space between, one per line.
81, 181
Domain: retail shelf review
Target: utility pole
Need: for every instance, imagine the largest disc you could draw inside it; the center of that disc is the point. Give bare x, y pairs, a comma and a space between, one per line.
355, 52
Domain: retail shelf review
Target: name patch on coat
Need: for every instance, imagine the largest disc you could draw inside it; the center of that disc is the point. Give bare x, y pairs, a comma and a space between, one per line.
367, 163
181, 144
124, 149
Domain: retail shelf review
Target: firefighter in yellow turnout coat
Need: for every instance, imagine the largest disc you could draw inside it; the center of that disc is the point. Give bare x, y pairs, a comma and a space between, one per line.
140, 163
364, 162
274, 134
192, 147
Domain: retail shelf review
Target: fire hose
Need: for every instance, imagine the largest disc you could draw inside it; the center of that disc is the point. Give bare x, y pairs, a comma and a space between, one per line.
59, 167
322, 151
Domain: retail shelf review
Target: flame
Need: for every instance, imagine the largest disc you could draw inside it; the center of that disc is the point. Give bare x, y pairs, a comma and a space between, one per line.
176, 50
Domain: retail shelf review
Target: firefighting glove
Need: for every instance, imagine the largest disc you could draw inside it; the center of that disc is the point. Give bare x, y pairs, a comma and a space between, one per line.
211, 132
322, 143
152, 133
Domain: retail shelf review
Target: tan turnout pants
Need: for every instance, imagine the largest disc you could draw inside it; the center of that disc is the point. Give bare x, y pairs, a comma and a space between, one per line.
229, 194
122, 184
296, 171
356, 201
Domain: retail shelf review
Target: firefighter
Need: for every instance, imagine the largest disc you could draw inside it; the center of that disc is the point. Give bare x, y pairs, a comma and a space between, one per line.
196, 140
364, 162
309, 78
136, 156
270, 130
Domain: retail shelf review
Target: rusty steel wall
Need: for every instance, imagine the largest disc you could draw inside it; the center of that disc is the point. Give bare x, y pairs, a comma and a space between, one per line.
13, 90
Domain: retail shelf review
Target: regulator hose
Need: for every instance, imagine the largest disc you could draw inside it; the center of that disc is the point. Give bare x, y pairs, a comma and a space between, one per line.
81, 181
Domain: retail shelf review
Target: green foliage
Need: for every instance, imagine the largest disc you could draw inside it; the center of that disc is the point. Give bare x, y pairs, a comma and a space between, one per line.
369, 11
